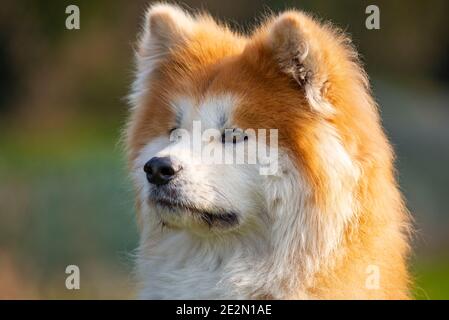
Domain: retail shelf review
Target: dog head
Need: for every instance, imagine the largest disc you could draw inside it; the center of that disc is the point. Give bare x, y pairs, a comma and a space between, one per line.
197, 80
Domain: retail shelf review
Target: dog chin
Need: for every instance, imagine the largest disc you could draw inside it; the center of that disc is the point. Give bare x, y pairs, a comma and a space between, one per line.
181, 214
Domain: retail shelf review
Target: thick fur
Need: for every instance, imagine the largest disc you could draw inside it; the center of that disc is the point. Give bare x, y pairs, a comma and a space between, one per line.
316, 228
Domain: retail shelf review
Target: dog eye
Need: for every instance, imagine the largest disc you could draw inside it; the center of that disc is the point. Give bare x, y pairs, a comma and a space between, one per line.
172, 135
234, 135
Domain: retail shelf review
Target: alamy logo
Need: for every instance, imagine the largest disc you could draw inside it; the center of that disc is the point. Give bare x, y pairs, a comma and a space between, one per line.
232, 147
73, 19
373, 20
372, 281
72, 282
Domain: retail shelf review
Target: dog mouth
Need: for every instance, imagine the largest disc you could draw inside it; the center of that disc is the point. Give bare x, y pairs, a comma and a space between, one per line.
212, 218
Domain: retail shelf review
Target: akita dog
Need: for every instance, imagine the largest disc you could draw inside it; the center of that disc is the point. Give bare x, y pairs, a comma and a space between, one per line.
328, 223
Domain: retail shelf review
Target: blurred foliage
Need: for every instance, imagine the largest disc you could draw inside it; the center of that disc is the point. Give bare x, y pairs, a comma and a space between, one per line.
64, 195
66, 201
431, 278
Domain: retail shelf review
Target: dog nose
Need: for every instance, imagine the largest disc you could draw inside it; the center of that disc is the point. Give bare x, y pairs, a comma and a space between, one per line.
160, 170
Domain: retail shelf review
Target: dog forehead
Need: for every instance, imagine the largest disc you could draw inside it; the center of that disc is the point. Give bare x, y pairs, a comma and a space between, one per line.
213, 110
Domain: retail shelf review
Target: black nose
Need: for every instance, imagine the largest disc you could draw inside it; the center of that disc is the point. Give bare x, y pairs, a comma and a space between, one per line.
160, 170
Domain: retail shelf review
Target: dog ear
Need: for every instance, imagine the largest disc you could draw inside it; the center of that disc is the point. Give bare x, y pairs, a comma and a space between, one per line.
165, 27
294, 39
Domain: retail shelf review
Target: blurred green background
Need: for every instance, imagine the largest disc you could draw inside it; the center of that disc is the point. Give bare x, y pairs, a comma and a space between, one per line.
64, 194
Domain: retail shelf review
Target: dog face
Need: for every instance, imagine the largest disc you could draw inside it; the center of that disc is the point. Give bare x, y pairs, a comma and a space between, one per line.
196, 75
182, 187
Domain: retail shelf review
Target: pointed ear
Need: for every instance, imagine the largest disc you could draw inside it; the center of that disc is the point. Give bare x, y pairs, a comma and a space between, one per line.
165, 27
293, 37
